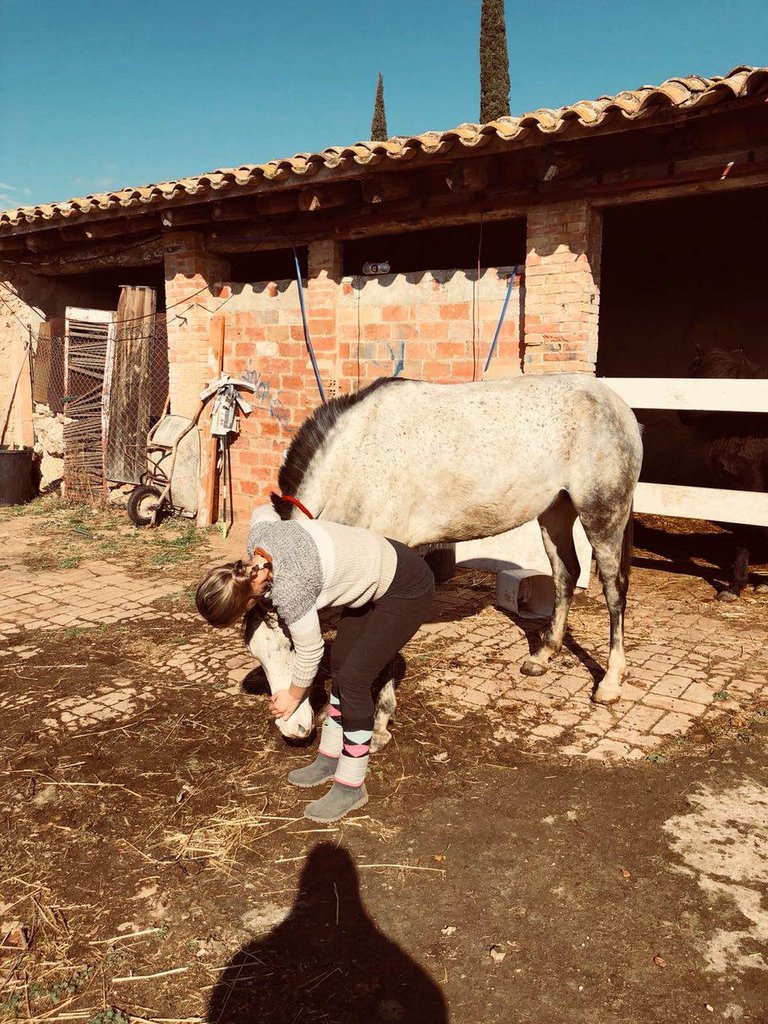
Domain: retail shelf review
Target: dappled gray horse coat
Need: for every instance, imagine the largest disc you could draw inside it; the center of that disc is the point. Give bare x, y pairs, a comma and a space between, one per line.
428, 463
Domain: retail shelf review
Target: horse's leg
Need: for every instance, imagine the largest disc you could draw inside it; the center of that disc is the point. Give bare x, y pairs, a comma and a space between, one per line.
557, 533
271, 646
611, 540
386, 703
744, 540
762, 554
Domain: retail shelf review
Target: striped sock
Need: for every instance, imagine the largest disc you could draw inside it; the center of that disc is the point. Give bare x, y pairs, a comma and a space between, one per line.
353, 763
331, 735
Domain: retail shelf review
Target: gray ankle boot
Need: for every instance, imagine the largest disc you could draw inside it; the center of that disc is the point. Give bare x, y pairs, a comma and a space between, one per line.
322, 769
338, 801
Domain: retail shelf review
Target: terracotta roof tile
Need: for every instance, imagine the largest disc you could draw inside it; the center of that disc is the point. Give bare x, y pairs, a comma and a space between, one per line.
636, 105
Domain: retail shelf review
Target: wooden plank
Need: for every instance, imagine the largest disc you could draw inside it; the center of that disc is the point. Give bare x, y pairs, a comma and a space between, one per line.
207, 494
127, 385
468, 176
722, 506
705, 395
80, 258
328, 197
635, 193
42, 364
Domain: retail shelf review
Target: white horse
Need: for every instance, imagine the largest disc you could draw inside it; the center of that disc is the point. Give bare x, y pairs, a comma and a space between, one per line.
429, 463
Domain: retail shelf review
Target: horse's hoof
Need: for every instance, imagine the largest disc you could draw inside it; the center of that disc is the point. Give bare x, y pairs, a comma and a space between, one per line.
533, 668
727, 596
379, 740
601, 696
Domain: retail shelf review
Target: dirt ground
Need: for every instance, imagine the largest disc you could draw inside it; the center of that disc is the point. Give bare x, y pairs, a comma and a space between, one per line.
525, 856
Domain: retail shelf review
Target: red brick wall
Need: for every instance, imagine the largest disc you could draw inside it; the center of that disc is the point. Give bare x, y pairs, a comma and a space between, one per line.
415, 325
264, 343
435, 326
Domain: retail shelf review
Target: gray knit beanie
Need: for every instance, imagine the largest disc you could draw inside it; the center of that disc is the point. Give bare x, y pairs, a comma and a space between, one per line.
296, 567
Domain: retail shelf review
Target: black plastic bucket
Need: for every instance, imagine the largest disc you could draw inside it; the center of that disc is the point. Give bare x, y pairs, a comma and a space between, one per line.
17, 483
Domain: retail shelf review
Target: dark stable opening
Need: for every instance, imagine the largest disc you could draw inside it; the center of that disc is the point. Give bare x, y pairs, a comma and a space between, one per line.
100, 289
499, 243
269, 265
675, 274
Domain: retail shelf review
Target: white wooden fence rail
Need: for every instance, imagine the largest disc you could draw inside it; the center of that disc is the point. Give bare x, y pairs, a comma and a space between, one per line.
748, 507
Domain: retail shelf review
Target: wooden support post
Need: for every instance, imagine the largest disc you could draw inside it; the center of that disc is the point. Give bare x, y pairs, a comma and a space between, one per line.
206, 505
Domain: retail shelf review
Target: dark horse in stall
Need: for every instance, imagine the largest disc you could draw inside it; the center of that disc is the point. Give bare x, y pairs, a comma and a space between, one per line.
735, 447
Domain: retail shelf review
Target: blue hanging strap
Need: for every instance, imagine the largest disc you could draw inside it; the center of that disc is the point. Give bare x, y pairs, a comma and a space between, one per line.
510, 286
306, 327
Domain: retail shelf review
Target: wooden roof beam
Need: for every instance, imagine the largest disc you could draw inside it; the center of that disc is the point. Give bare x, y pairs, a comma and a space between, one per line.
385, 188
101, 256
328, 197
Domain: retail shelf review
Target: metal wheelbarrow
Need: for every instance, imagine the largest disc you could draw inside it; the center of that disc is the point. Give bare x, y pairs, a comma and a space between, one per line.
169, 485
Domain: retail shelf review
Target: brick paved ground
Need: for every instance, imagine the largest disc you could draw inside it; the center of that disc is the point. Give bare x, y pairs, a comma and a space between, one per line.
691, 657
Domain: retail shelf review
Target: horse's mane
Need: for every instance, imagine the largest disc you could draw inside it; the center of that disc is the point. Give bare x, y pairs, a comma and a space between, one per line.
721, 363
310, 438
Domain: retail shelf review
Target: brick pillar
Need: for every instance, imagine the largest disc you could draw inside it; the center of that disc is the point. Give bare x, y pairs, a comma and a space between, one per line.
325, 266
562, 287
190, 273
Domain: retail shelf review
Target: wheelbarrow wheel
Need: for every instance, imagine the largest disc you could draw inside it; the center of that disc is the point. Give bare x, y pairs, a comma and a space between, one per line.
141, 504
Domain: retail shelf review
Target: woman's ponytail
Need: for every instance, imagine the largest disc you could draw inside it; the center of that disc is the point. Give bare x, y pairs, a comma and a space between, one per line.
223, 596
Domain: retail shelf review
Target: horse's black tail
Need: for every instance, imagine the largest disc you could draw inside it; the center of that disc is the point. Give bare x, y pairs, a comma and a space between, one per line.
626, 545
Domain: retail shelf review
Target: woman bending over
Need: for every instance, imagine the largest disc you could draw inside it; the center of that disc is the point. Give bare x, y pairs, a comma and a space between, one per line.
386, 591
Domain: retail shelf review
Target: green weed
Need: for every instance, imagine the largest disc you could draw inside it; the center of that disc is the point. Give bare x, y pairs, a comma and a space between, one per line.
180, 601
76, 632
110, 1015
49, 561
656, 758
61, 990
36, 507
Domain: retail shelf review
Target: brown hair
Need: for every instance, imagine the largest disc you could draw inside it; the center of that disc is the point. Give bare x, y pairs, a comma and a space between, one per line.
222, 597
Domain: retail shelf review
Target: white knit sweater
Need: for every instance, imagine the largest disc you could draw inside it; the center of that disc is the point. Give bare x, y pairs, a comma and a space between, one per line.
356, 565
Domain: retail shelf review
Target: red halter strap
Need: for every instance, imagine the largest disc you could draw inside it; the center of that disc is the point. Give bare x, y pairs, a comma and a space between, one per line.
297, 503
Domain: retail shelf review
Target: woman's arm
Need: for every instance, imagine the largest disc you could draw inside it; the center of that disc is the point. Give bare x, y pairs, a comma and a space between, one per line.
307, 639
308, 645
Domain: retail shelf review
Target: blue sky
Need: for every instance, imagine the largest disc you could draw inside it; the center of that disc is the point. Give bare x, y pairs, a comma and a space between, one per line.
100, 95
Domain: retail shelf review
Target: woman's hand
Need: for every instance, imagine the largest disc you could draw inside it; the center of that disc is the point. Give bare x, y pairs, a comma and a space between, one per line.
285, 702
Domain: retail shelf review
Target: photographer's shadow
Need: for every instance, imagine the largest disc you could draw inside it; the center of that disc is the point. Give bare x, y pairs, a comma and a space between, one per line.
327, 961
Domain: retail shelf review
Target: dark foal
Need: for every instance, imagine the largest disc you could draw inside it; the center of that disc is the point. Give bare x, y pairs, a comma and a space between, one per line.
735, 446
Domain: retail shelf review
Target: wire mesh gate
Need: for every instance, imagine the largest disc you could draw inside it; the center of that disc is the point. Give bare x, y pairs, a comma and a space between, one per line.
107, 378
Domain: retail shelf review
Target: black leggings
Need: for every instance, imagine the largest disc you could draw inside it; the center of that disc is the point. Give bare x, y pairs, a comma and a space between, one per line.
368, 638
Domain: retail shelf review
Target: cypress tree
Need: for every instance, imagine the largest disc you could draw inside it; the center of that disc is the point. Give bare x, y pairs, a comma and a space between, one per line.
379, 122
494, 62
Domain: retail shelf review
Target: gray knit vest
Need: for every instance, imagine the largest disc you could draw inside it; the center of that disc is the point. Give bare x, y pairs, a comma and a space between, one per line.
298, 574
